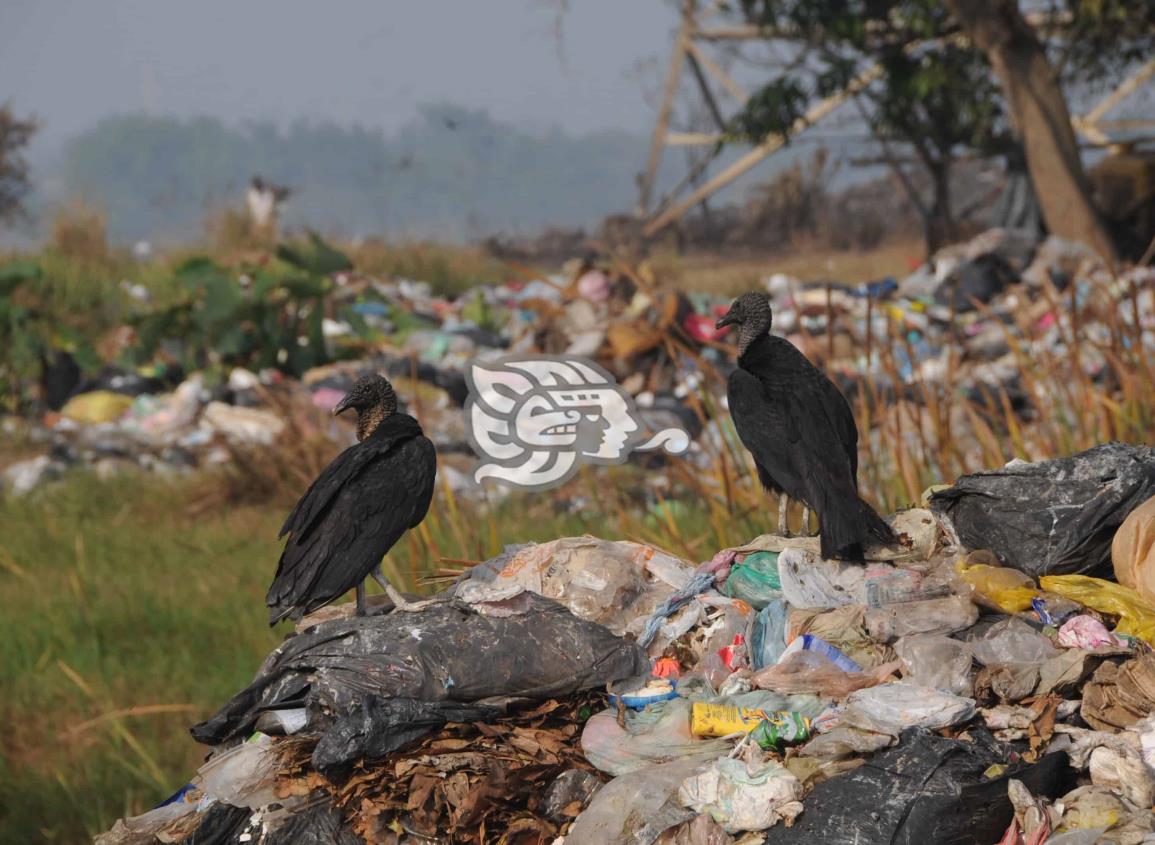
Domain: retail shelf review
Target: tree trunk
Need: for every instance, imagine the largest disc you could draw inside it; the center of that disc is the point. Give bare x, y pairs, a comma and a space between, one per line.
1039, 114
940, 226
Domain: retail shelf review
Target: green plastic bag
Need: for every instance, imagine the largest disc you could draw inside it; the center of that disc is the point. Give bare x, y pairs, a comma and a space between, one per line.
755, 580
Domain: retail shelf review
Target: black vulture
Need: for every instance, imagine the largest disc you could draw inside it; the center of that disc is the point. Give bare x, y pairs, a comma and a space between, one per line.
358, 507
801, 432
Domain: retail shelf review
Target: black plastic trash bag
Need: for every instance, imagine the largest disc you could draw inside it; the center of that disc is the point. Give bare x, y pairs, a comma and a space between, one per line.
319, 825
447, 652
1051, 517
222, 824
383, 725
928, 789
980, 279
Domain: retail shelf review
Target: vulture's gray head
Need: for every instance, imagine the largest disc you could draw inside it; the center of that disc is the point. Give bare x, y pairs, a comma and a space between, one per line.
373, 398
751, 314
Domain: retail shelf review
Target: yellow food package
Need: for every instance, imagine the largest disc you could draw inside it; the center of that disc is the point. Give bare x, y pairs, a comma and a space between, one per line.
999, 587
723, 719
1136, 617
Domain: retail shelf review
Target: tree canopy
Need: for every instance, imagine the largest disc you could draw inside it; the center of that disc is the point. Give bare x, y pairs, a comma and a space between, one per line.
450, 173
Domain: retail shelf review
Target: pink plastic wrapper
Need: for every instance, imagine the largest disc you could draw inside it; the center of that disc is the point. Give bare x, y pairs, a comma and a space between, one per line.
1087, 632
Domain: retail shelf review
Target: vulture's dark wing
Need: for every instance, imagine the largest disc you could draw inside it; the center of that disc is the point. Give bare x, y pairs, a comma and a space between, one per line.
762, 430
344, 467
354, 517
784, 417
816, 391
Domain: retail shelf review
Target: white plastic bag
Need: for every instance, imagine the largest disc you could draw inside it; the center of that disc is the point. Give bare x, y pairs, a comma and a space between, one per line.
809, 581
892, 708
741, 797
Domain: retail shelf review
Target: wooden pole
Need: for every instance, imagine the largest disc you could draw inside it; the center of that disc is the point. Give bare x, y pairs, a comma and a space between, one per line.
658, 141
768, 147
716, 71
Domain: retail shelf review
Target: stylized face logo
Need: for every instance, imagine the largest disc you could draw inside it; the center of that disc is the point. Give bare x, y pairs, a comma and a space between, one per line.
532, 420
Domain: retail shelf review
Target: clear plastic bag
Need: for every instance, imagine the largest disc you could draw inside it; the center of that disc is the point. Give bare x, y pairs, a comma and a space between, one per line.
933, 616
811, 672
768, 636
1013, 642
932, 660
657, 734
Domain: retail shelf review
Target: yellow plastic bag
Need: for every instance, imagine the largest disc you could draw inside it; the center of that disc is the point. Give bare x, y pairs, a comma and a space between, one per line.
1136, 617
999, 587
99, 406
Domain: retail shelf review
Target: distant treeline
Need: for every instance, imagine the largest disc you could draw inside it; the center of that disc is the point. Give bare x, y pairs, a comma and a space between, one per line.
451, 173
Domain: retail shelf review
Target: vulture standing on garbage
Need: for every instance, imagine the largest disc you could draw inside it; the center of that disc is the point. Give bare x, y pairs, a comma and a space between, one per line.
801, 432
358, 507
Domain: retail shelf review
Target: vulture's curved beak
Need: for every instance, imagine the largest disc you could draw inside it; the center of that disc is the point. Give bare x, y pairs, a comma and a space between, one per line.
344, 405
729, 320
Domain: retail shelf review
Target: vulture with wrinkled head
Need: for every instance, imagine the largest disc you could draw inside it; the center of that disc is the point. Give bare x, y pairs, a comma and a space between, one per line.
358, 507
801, 432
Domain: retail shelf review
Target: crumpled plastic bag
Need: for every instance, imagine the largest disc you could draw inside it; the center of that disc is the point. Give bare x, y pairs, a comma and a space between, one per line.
1133, 551
1012, 642
1087, 632
810, 581
892, 708
999, 587
657, 734
931, 616
618, 584
842, 627
741, 797
932, 660
446, 652
810, 672
1050, 517
381, 726
755, 580
1136, 617
768, 635
243, 776
635, 808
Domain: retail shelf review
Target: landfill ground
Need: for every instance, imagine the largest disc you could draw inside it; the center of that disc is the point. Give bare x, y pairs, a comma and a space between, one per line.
138, 535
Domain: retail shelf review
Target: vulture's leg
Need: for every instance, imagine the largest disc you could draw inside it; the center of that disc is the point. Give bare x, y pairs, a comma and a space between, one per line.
806, 521
361, 599
783, 515
399, 601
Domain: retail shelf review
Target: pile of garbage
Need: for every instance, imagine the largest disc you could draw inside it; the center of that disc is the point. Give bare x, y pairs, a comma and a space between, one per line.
964, 314
991, 679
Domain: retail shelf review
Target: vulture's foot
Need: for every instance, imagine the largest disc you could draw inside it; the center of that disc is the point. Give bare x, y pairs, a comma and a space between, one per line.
406, 606
399, 601
806, 532
783, 515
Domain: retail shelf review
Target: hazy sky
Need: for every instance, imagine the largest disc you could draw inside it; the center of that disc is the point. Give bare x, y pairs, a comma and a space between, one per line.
368, 61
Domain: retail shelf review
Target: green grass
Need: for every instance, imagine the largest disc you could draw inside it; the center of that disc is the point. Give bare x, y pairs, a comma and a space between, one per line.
116, 601
127, 620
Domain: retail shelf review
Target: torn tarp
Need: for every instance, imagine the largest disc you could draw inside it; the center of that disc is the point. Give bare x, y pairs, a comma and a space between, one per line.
447, 652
